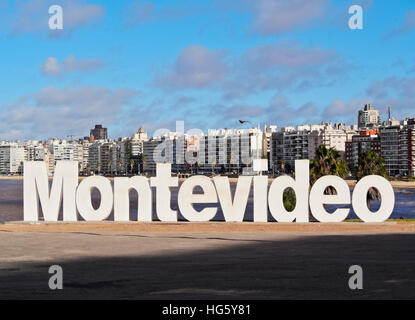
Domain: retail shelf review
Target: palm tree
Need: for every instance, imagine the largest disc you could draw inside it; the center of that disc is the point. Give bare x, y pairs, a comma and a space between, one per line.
213, 167
283, 165
371, 163
144, 161
197, 165
109, 166
327, 162
131, 166
119, 166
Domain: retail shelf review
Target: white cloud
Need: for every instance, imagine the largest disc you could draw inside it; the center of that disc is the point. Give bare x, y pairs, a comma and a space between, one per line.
138, 12
32, 17
195, 67
278, 16
52, 68
56, 111
288, 55
406, 26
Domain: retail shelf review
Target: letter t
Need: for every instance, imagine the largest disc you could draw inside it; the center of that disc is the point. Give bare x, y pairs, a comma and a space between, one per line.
163, 181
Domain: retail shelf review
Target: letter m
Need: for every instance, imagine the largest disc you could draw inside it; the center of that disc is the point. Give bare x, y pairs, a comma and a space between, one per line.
36, 187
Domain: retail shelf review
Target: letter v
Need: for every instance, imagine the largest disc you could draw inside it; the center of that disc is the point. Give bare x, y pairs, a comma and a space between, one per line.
233, 211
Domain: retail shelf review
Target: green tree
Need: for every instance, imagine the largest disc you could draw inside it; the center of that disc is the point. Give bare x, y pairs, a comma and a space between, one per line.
283, 165
119, 166
371, 163
289, 200
131, 166
327, 162
109, 166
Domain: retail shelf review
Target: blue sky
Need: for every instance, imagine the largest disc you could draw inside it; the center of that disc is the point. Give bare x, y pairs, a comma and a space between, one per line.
128, 64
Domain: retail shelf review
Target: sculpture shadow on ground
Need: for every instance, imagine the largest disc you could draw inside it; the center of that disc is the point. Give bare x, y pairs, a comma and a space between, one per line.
309, 267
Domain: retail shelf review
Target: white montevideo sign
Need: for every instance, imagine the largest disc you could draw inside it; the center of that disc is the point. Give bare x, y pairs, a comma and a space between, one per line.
77, 198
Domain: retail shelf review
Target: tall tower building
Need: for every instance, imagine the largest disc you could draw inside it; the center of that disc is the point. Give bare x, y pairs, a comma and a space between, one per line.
99, 133
369, 117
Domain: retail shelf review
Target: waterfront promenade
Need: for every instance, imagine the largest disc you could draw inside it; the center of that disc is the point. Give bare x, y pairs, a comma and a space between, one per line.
207, 260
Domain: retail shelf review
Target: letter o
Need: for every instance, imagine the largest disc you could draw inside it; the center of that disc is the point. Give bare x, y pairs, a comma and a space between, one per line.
84, 203
359, 199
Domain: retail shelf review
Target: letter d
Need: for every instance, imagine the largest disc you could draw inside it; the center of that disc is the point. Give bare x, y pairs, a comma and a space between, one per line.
300, 185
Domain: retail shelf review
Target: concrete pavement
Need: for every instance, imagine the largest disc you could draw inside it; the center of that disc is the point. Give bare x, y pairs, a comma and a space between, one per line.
207, 265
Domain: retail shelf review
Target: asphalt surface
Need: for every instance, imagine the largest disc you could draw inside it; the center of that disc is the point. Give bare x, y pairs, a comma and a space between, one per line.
251, 265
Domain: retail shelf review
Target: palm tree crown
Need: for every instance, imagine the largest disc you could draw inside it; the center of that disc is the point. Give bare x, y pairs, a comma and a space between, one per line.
327, 162
371, 163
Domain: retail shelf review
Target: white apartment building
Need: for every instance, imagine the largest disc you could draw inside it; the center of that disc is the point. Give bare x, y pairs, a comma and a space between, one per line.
330, 136
94, 157
290, 144
168, 148
149, 147
12, 157
230, 150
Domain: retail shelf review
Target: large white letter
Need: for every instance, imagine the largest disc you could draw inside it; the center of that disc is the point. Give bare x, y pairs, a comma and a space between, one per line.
163, 181
360, 195
233, 212
318, 199
260, 199
300, 186
83, 198
36, 185
122, 187
356, 21
186, 198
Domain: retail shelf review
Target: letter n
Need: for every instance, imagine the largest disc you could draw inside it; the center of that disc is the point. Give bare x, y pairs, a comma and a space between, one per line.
122, 187
36, 187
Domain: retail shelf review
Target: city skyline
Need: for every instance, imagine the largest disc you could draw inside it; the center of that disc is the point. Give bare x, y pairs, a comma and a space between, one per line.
181, 128
225, 151
142, 63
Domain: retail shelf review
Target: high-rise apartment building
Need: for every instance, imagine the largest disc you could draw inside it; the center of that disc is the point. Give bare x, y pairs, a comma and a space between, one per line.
389, 140
99, 133
230, 150
361, 143
369, 117
11, 158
